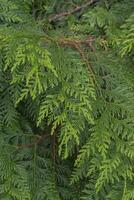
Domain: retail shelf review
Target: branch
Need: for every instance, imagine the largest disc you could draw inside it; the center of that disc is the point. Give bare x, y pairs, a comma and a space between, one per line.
76, 44
74, 10
37, 142
72, 42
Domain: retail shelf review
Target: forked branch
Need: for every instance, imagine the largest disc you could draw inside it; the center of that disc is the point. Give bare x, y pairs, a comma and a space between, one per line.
30, 145
70, 12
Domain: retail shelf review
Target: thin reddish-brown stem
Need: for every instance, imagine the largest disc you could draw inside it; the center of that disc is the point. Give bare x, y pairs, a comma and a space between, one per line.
70, 12
37, 142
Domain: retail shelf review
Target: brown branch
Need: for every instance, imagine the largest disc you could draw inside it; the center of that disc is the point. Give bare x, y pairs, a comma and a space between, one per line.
53, 148
37, 142
73, 42
76, 44
90, 70
70, 12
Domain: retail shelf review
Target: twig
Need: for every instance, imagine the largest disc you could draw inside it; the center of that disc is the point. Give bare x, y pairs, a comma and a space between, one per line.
76, 44
90, 70
70, 12
37, 142
72, 42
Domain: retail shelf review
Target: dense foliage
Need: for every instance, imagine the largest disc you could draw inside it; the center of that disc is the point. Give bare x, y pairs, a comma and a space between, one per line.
66, 100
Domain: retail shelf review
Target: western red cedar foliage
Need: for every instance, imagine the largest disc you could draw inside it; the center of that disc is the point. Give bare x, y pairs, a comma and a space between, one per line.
66, 100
